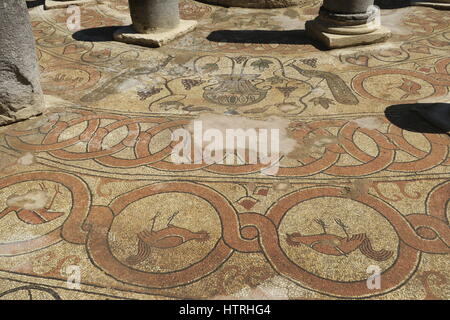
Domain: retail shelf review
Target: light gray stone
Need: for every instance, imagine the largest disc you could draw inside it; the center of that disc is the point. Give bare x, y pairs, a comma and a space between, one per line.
335, 41
347, 6
149, 16
20, 91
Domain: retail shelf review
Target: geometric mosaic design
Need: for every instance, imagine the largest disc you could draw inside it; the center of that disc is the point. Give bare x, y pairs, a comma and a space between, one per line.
91, 183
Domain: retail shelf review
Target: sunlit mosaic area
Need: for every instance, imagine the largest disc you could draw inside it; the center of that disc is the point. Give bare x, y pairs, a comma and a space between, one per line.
224, 149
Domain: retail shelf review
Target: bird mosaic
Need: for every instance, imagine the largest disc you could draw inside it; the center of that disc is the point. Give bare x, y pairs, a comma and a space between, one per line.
169, 237
331, 244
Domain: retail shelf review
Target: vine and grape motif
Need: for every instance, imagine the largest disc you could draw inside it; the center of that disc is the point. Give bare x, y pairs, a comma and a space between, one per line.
239, 84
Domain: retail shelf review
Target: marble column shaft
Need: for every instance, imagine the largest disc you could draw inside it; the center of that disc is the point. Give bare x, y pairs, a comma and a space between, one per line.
155, 23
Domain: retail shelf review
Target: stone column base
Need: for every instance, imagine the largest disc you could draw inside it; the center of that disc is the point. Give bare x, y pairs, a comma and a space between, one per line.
50, 4
438, 114
157, 38
26, 107
315, 30
436, 4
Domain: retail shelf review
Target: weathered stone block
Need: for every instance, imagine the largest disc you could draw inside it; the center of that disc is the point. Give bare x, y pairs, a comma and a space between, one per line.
20, 91
334, 41
437, 4
155, 23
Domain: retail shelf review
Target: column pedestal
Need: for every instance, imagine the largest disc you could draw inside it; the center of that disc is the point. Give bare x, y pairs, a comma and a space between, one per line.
155, 23
260, 4
337, 28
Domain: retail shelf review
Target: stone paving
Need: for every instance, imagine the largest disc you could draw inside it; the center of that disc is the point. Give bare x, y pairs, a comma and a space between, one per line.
90, 186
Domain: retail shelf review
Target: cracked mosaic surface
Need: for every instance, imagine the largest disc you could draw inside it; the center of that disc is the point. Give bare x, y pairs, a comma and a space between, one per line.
91, 183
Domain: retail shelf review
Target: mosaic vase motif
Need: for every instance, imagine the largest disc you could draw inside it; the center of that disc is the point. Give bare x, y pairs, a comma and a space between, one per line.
235, 90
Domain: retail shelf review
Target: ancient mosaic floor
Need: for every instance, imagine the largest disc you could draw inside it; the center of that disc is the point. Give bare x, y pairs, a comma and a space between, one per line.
367, 186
